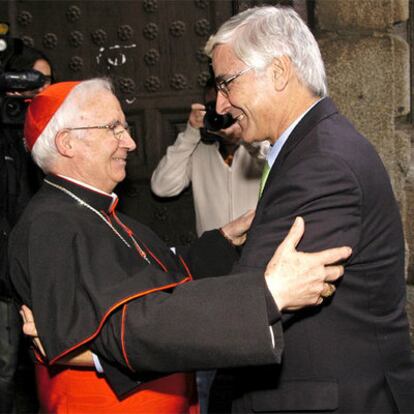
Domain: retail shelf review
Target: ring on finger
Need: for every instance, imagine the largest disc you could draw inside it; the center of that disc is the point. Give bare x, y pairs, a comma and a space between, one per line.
328, 290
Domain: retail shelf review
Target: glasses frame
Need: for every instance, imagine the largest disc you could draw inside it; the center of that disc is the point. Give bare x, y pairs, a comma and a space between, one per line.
110, 127
223, 85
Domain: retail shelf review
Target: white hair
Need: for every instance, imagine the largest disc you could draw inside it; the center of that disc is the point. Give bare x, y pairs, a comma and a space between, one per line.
260, 34
44, 150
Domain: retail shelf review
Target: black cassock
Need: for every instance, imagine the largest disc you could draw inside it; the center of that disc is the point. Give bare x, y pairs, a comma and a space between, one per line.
97, 278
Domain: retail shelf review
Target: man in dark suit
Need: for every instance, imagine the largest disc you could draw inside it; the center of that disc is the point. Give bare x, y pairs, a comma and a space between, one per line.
352, 354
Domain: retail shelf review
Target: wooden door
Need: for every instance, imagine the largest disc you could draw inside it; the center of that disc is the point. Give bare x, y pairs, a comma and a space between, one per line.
153, 52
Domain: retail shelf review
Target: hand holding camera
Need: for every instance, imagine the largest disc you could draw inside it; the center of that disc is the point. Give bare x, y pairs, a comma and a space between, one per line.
214, 121
196, 117
213, 126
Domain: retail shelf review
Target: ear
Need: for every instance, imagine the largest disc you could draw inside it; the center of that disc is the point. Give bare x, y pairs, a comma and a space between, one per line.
64, 143
282, 70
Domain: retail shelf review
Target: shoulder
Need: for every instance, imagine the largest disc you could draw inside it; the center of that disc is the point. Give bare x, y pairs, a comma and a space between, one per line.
335, 140
52, 215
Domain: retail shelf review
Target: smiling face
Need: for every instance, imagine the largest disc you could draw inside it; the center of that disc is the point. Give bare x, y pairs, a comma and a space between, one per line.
99, 158
252, 97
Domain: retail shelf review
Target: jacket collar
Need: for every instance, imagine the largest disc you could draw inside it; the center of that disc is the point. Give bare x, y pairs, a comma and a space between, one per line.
322, 110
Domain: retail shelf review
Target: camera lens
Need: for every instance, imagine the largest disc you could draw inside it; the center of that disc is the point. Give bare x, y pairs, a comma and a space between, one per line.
214, 121
13, 110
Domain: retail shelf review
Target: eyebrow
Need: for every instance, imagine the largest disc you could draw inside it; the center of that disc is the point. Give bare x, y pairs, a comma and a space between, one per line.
221, 78
111, 122
117, 120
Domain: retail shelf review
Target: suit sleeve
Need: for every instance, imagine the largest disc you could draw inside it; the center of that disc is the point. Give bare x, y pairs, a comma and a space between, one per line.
209, 323
131, 354
203, 305
324, 191
210, 255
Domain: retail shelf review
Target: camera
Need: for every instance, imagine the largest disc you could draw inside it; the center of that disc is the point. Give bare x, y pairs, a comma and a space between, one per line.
214, 121
13, 108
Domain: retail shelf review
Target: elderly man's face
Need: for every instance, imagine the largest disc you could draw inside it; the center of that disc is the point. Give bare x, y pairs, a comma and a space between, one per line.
100, 157
251, 97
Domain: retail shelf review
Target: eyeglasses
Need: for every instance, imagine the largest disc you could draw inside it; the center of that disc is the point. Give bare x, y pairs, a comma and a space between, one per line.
117, 128
223, 86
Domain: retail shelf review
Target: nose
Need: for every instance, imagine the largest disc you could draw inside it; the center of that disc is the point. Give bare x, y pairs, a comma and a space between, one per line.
222, 103
127, 141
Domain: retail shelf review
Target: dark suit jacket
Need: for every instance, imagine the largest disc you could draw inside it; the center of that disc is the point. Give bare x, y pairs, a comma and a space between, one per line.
352, 354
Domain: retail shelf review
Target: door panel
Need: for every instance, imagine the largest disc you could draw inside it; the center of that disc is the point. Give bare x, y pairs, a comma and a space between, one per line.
153, 52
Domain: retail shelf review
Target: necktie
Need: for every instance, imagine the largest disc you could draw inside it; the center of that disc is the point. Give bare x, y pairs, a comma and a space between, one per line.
265, 174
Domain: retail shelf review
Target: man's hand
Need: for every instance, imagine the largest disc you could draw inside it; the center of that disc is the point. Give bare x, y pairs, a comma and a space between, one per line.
29, 328
236, 230
78, 358
232, 134
196, 116
298, 279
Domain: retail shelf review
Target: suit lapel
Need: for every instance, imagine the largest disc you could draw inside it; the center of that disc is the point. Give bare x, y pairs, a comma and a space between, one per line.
319, 112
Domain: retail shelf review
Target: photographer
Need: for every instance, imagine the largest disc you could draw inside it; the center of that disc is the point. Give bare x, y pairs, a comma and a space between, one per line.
224, 172
19, 179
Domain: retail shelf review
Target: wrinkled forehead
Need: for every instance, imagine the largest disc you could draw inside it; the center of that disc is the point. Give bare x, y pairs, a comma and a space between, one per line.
101, 106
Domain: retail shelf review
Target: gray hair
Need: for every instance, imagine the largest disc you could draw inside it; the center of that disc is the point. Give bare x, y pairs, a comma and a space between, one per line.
44, 150
260, 34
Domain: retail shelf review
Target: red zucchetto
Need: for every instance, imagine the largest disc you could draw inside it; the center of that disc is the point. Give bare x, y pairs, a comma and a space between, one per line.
42, 108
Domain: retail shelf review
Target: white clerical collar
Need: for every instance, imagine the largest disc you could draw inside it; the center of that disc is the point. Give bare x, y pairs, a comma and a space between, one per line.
91, 187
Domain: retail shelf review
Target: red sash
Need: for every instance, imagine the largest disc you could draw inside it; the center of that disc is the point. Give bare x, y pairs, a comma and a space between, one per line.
65, 390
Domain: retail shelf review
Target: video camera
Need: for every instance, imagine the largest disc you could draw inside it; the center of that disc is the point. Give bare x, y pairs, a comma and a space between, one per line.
13, 108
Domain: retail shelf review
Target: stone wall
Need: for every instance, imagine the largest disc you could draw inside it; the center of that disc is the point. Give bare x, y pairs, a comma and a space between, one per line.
368, 64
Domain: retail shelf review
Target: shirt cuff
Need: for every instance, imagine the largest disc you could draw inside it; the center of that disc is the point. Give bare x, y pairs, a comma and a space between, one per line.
275, 319
272, 310
272, 336
191, 134
97, 364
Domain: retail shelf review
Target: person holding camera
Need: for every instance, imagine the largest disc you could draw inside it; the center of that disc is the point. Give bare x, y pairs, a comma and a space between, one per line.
224, 171
19, 180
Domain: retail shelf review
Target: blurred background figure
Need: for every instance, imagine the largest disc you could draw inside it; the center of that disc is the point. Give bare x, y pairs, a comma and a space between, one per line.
28, 59
19, 180
31, 58
224, 171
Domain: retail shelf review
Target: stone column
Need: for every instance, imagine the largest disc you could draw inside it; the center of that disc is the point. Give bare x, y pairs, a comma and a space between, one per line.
368, 67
